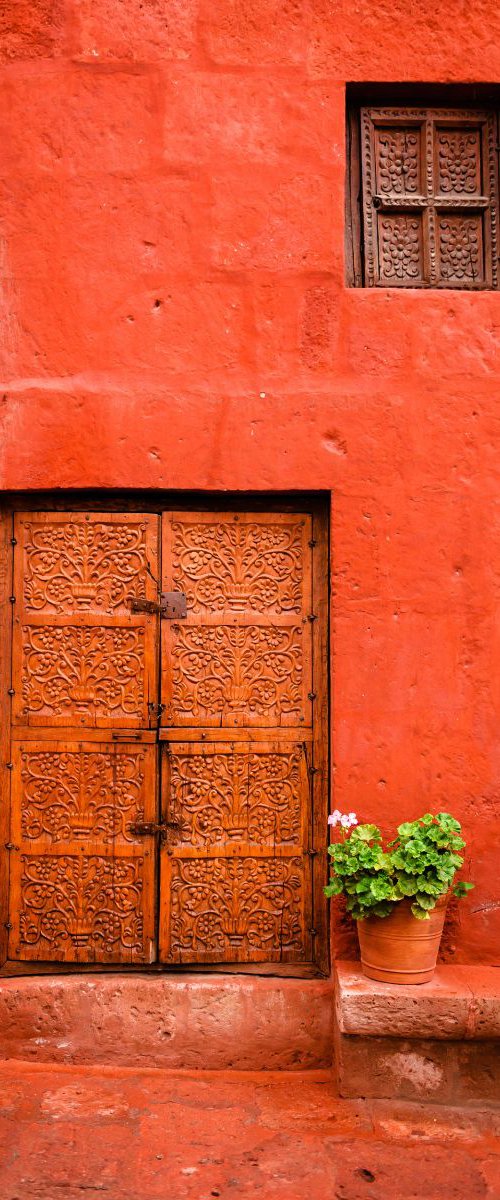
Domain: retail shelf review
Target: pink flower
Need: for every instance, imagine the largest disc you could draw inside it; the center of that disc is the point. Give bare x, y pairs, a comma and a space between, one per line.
335, 817
353, 820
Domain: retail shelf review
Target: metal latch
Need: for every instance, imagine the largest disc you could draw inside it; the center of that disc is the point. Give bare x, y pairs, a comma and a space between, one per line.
150, 828
172, 605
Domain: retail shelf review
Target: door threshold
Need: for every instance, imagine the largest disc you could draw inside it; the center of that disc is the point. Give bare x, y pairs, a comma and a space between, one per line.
12, 969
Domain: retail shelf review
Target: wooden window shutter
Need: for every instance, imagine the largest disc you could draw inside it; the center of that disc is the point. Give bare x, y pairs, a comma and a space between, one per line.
429, 197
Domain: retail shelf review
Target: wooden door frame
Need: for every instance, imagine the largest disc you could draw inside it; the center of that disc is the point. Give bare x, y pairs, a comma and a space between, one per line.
318, 504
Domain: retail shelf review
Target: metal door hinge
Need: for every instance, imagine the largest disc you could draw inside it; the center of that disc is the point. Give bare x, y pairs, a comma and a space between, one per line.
171, 605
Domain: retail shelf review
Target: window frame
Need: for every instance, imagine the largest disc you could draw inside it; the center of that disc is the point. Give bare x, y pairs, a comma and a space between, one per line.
425, 108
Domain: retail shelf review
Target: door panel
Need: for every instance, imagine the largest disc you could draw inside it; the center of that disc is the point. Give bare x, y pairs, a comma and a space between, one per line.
234, 859
243, 656
235, 867
80, 656
82, 885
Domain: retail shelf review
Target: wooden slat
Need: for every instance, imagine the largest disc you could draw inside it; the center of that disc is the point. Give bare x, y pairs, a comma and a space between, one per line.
319, 795
209, 734
26, 733
5, 707
274, 970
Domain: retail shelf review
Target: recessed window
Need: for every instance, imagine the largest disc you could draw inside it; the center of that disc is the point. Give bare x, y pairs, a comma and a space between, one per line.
426, 190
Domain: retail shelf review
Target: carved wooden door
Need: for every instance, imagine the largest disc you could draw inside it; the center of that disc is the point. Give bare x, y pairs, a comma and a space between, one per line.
82, 884
236, 863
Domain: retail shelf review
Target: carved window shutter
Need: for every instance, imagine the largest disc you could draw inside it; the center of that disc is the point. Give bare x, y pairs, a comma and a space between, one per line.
430, 198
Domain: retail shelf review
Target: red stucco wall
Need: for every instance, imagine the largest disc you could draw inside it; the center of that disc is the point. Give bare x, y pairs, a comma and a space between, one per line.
174, 315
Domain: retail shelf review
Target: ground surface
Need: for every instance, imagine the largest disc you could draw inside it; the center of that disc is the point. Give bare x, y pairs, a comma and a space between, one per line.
70, 1132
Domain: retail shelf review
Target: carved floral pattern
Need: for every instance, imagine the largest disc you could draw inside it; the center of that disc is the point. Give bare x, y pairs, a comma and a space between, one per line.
72, 566
77, 669
429, 197
253, 670
398, 165
400, 247
236, 566
76, 794
460, 248
91, 904
459, 163
229, 906
252, 796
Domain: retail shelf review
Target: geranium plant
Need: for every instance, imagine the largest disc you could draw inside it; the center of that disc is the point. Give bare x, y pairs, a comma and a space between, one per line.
419, 864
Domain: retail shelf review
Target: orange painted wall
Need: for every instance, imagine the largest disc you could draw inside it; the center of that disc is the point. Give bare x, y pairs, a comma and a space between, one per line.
174, 315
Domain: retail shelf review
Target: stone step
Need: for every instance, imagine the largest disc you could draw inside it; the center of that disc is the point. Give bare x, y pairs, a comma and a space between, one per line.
437, 1042
210, 1022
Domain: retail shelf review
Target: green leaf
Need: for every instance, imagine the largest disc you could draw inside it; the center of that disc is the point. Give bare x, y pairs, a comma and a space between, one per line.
432, 887
383, 909
427, 902
334, 887
380, 888
366, 833
419, 913
407, 886
461, 888
448, 822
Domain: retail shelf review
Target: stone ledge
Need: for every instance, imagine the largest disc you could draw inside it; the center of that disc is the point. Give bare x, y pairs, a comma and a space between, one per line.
210, 1022
461, 1003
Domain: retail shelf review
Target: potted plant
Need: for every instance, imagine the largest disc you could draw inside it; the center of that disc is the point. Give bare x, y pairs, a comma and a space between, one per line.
397, 893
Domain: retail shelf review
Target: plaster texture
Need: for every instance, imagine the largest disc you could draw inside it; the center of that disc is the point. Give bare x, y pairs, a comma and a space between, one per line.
174, 315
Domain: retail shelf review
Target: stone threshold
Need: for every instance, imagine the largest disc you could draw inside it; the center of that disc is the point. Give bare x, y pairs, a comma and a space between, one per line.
180, 1022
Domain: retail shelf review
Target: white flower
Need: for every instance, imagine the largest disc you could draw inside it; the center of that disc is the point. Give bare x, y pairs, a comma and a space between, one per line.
344, 819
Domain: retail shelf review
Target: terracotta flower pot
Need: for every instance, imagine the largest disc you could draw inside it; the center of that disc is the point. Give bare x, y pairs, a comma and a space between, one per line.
400, 948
